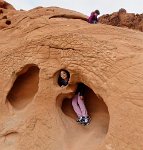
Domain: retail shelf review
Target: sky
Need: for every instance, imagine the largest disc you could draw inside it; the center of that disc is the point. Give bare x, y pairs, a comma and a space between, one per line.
83, 6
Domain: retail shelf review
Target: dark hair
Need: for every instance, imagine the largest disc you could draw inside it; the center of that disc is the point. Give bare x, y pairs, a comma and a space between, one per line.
68, 74
60, 78
97, 12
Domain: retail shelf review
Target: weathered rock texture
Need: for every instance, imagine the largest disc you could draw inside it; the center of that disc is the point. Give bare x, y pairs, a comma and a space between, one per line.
36, 114
6, 5
123, 19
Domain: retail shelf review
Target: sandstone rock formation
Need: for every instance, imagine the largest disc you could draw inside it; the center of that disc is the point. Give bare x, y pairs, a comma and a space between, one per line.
36, 114
123, 19
5, 5
6, 10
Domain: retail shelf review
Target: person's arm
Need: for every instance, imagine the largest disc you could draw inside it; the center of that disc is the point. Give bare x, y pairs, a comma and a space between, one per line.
62, 86
90, 19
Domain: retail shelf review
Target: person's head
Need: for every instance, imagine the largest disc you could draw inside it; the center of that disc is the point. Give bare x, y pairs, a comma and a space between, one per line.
64, 74
97, 12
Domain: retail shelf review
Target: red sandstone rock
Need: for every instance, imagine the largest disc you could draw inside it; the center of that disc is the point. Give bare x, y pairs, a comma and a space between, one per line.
6, 5
36, 114
123, 19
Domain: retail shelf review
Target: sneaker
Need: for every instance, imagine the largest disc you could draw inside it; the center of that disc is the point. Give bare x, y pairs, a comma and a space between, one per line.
86, 120
79, 119
89, 119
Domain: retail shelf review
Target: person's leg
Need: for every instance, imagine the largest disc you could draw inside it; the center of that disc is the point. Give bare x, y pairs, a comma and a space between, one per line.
82, 107
76, 106
85, 118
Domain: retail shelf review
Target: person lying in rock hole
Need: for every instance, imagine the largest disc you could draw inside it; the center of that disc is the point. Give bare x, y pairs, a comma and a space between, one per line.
78, 98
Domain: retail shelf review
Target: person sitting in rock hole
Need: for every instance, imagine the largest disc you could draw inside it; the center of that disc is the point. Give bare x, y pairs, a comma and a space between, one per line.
78, 99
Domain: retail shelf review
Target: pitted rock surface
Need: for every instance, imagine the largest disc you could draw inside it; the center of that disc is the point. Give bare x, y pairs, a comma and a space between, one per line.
123, 19
36, 114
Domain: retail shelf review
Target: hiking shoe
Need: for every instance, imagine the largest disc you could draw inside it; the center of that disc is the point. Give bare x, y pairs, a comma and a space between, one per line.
79, 119
89, 119
86, 120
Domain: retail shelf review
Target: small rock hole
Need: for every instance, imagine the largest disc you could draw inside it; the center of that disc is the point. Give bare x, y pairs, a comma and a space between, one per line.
8, 22
4, 17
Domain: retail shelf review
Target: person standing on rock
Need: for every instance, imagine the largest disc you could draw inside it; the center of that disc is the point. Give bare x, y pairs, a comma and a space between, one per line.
93, 17
78, 99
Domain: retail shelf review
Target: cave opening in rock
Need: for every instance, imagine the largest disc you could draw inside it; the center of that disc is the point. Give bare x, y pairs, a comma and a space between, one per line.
1, 11
8, 22
96, 108
25, 87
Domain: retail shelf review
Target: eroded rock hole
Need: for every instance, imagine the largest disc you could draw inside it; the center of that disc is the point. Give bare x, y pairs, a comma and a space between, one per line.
1, 11
96, 108
24, 88
4, 17
95, 132
8, 22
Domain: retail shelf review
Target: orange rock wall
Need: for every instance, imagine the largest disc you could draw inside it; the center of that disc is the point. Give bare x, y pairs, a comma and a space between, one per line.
123, 19
36, 114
